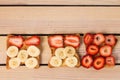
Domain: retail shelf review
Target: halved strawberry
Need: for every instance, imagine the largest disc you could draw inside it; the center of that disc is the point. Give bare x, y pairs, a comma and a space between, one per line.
106, 50
92, 49
55, 41
98, 39
99, 63
87, 61
110, 40
15, 41
72, 40
88, 38
33, 40
110, 61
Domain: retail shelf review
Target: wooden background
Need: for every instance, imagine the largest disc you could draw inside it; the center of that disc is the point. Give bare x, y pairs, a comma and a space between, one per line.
98, 16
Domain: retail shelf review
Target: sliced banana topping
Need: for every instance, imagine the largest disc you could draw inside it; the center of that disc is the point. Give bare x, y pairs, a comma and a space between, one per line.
33, 51
55, 61
71, 61
59, 52
14, 63
31, 63
69, 51
23, 55
12, 51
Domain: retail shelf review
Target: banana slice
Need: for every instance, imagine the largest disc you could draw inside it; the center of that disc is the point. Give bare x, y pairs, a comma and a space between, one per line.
71, 61
33, 51
55, 61
59, 52
22, 55
31, 63
12, 51
14, 63
69, 51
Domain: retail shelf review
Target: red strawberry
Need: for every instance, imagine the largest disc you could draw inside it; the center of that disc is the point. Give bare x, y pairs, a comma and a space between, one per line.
106, 50
92, 49
33, 40
98, 39
87, 61
110, 61
110, 40
88, 38
99, 63
72, 40
55, 41
15, 41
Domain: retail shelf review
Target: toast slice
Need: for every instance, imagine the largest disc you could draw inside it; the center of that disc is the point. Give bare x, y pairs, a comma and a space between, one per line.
22, 47
53, 51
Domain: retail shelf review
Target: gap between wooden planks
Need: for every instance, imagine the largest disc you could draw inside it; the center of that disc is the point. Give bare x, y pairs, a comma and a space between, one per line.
46, 52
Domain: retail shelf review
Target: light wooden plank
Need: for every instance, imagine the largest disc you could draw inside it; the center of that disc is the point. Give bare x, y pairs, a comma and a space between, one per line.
61, 2
46, 52
45, 73
51, 20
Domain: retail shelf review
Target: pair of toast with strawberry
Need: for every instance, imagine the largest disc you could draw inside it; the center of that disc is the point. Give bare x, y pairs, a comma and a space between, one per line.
23, 51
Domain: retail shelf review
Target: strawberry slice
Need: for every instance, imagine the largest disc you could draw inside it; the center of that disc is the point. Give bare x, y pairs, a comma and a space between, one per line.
88, 39
99, 63
106, 50
98, 39
33, 40
110, 40
110, 61
15, 41
92, 49
87, 61
55, 41
72, 40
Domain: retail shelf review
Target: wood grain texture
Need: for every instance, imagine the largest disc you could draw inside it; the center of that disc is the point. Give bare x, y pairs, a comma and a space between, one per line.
61, 2
46, 73
53, 20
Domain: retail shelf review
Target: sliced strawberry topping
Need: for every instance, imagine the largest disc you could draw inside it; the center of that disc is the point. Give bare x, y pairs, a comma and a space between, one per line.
88, 38
98, 39
92, 49
110, 40
55, 41
110, 61
106, 50
72, 40
87, 61
99, 63
33, 40
16, 41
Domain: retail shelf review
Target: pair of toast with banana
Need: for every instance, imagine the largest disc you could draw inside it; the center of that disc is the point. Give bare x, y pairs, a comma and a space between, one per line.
23, 50
64, 50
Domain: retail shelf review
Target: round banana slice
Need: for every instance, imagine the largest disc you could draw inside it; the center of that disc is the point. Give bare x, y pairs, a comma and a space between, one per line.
71, 61
22, 55
14, 63
31, 63
69, 51
12, 51
55, 61
33, 51
59, 52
